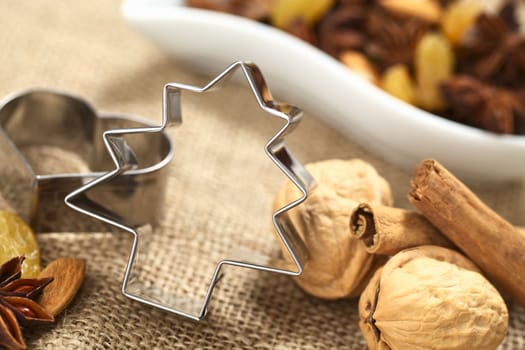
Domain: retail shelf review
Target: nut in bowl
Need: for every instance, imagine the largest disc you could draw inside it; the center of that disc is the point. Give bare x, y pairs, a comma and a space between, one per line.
301, 73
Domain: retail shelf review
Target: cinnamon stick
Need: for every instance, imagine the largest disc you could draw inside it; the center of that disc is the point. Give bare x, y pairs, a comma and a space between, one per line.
495, 245
386, 230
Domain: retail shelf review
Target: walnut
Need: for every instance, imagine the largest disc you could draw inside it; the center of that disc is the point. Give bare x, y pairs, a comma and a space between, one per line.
338, 265
431, 298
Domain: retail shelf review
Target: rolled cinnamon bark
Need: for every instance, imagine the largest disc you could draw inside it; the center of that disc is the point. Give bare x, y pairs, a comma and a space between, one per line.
386, 230
495, 245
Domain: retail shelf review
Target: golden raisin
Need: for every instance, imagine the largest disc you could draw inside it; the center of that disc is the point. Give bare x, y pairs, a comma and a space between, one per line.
458, 17
396, 80
284, 12
359, 64
433, 63
16, 239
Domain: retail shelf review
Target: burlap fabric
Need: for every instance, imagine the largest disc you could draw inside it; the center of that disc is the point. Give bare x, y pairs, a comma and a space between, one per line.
218, 196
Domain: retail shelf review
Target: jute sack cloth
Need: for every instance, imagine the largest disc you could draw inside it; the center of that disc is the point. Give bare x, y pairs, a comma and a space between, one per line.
217, 199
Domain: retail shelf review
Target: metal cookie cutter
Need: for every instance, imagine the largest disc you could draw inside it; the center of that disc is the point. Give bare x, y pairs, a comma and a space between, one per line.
40, 122
122, 155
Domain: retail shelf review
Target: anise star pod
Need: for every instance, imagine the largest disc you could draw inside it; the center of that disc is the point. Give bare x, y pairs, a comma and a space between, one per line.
17, 306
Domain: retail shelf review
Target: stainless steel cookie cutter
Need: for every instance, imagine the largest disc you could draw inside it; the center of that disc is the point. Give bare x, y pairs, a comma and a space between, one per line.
34, 120
122, 155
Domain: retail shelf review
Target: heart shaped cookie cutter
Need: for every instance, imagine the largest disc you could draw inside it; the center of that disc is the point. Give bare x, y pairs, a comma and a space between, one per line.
123, 158
42, 122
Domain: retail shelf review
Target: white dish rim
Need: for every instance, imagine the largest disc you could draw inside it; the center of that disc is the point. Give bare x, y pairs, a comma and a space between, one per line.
142, 10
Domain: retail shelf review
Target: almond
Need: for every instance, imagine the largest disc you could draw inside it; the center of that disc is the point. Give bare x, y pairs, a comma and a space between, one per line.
68, 274
428, 10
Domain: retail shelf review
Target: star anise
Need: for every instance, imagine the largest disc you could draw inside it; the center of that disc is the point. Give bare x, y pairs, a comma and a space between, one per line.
519, 122
393, 38
355, 2
492, 51
508, 14
475, 103
17, 305
445, 3
344, 28
299, 28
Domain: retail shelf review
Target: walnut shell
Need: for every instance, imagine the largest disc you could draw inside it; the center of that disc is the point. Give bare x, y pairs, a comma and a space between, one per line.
338, 264
431, 298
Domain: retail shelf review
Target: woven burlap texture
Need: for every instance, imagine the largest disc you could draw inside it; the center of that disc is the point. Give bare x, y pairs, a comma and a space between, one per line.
218, 196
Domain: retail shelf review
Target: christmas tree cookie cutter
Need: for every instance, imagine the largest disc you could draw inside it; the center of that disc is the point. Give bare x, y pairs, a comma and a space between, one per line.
124, 159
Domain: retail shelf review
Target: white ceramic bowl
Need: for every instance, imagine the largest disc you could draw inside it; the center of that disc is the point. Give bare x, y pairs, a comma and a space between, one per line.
300, 74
